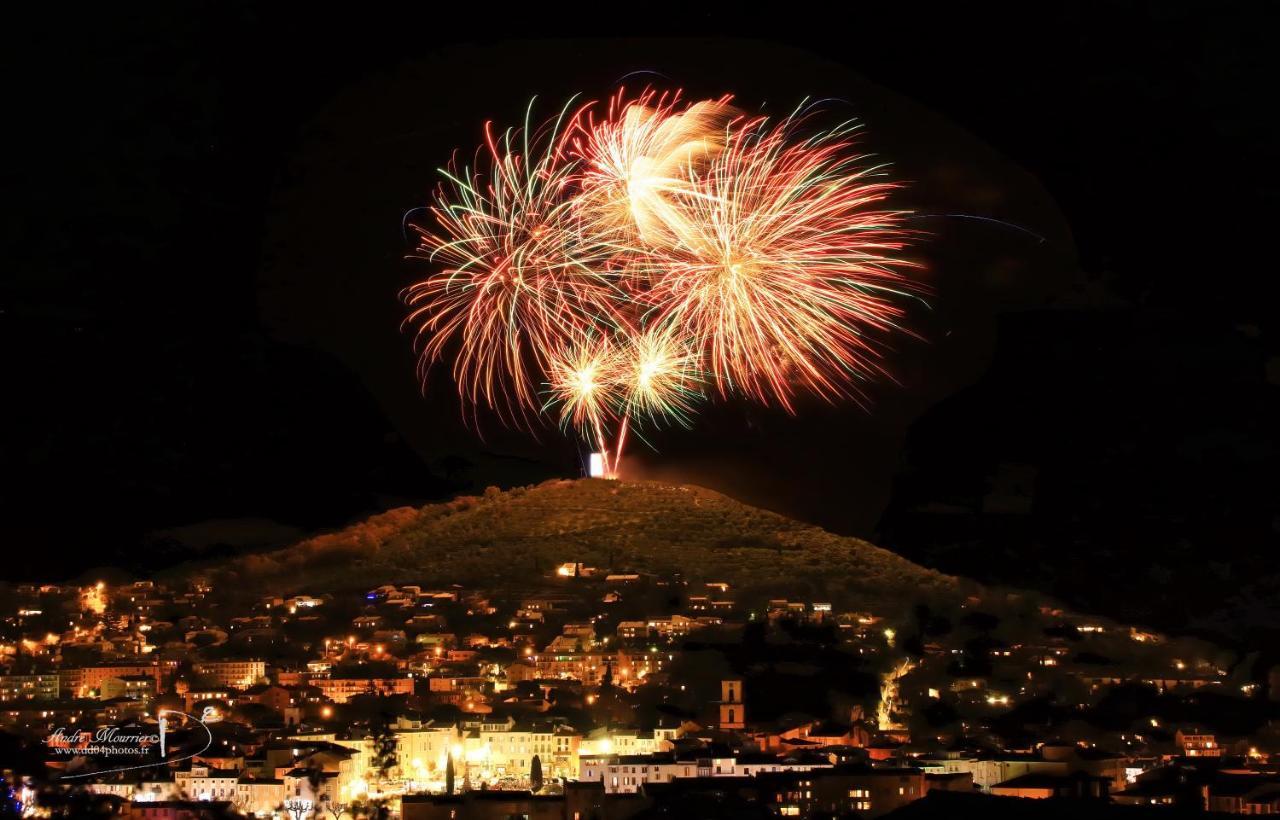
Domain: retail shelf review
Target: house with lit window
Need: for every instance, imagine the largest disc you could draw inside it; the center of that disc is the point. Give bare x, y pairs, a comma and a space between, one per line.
133, 687
1195, 743
235, 674
341, 690
202, 782
867, 792
28, 687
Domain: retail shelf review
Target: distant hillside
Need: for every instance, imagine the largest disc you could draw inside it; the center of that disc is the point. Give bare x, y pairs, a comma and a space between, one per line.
1159, 489
512, 537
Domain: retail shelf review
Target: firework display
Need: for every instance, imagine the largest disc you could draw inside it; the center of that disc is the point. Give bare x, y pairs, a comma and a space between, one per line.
618, 264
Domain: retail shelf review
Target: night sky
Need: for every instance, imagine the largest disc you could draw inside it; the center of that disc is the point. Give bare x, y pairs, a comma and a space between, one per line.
203, 251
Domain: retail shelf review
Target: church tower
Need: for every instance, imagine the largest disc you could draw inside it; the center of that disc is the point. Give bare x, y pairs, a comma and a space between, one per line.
733, 711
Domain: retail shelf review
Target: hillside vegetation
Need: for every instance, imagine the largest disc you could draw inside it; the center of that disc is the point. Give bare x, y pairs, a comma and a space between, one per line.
511, 538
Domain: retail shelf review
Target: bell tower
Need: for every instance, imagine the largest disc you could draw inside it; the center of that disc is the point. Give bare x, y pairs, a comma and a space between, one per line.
733, 711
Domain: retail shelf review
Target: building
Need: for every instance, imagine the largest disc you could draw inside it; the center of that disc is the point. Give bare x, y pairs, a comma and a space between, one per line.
28, 687
1195, 743
866, 791
733, 711
343, 767
88, 681
487, 750
1238, 792
605, 742
273, 695
303, 797
629, 630
1045, 786
674, 627
587, 667
629, 774
341, 690
141, 791
177, 810
133, 687
424, 752
235, 674
205, 783
482, 805
627, 668
988, 772
259, 795
1091, 760
787, 791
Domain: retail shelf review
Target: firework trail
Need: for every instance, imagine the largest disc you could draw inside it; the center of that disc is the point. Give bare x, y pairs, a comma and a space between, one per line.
621, 263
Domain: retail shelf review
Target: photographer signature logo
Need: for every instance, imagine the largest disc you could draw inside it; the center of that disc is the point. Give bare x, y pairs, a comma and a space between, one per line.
115, 741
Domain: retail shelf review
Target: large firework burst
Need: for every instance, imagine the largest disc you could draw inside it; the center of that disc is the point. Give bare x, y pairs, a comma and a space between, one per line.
619, 264
787, 265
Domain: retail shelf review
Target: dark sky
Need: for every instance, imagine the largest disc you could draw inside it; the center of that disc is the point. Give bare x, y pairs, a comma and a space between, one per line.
203, 249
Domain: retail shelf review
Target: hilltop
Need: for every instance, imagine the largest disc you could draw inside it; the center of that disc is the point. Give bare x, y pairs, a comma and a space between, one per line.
515, 536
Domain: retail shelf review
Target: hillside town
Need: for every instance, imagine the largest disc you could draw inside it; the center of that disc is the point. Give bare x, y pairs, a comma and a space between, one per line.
599, 693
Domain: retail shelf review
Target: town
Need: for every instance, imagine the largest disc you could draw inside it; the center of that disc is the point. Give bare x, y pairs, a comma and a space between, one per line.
592, 692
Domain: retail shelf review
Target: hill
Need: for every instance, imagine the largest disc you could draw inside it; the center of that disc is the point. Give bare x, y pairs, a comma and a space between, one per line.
1163, 491
506, 538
